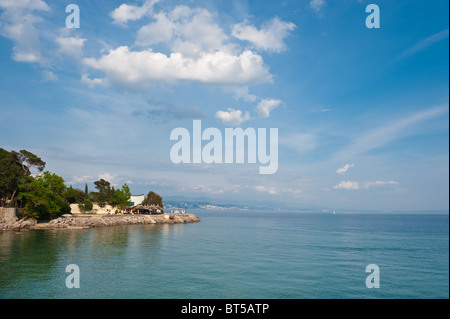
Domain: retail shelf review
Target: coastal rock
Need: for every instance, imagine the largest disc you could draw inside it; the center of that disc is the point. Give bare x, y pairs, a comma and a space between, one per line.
81, 222
18, 224
9, 220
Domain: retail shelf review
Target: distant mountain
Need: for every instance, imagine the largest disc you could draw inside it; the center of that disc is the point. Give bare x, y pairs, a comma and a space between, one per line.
215, 204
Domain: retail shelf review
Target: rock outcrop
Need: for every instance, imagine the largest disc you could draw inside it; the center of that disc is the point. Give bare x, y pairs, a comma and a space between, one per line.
80, 222
10, 221
18, 224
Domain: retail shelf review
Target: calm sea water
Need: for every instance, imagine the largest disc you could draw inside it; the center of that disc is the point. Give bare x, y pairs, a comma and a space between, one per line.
235, 255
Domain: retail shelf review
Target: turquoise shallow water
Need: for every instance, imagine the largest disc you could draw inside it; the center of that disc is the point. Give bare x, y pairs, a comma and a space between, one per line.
235, 255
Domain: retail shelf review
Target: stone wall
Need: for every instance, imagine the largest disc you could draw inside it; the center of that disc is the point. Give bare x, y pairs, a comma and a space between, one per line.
8, 215
10, 221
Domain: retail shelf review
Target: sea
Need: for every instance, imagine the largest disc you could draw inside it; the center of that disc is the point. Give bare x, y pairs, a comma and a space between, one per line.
235, 255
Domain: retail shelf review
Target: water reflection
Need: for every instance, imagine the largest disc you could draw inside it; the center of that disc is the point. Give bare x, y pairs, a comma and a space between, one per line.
32, 264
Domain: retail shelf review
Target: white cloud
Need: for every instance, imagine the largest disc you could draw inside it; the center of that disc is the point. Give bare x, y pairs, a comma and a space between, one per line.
159, 31
347, 185
18, 23
366, 185
199, 50
92, 82
106, 176
277, 191
422, 45
125, 12
317, 5
294, 191
48, 75
266, 106
22, 56
241, 92
232, 117
379, 183
71, 46
139, 69
24, 4
80, 179
387, 133
269, 38
198, 32
113, 179
343, 170
268, 190
187, 31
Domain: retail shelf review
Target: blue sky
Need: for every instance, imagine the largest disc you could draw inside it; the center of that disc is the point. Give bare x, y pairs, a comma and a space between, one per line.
362, 113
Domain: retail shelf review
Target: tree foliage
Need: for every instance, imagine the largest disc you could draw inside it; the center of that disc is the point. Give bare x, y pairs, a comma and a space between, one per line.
28, 160
86, 206
10, 172
74, 195
121, 197
14, 167
104, 193
153, 199
44, 196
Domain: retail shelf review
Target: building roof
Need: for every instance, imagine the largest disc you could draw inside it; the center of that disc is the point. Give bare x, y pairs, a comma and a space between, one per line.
146, 207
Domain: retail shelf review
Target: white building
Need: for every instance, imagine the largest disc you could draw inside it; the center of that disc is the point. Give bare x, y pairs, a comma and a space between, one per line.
136, 199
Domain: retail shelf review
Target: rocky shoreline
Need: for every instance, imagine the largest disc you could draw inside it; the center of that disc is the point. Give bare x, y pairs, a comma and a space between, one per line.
82, 222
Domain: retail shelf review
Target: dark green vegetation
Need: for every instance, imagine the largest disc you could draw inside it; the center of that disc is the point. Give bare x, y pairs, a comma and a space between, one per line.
153, 199
42, 194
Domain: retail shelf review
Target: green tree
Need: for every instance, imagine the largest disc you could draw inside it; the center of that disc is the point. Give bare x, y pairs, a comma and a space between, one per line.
10, 172
44, 196
86, 206
121, 197
28, 160
74, 195
104, 193
153, 199
14, 167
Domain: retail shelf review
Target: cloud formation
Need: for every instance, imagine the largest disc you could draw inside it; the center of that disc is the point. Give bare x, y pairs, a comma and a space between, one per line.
317, 5
422, 45
199, 50
347, 185
18, 23
268, 190
24, 4
233, 117
71, 46
125, 12
140, 69
389, 132
185, 30
343, 170
378, 183
266, 106
355, 185
269, 38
